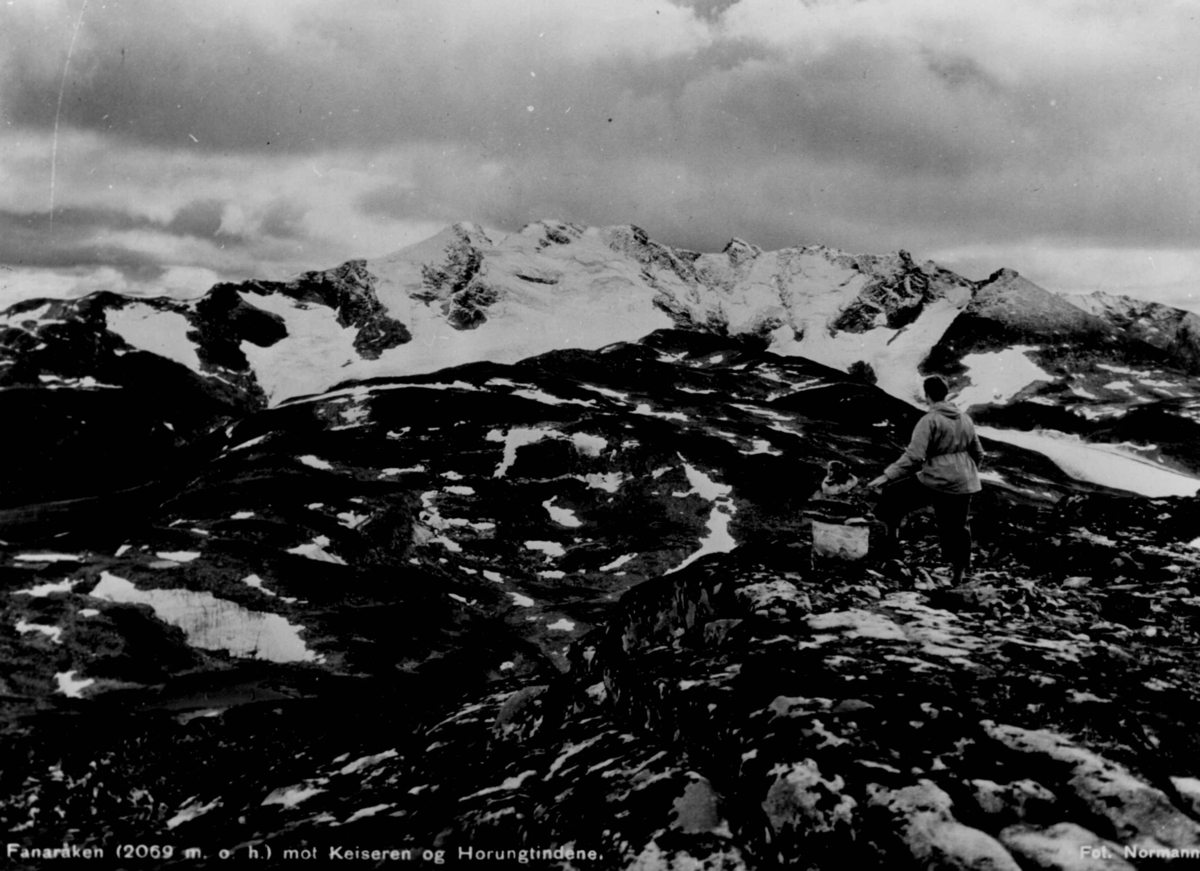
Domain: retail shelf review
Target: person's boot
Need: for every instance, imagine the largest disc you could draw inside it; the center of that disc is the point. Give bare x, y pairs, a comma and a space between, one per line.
956, 575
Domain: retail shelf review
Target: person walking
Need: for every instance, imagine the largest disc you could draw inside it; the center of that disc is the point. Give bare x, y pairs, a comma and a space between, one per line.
940, 467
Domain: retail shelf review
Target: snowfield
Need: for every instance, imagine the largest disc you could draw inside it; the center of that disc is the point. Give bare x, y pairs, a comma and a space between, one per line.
212, 623
588, 294
894, 355
998, 377
159, 332
1100, 464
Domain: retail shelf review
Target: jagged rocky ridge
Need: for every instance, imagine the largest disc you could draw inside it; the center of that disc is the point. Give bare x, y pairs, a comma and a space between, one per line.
1170, 329
69, 369
570, 600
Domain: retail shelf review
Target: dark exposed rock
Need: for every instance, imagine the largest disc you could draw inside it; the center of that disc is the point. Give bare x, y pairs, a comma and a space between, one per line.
228, 321
1012, 300
96, 415
740, 252
553, 232
467, 309
1169, 329
572, 602
537, 279
895, 297
862, 370
350, 291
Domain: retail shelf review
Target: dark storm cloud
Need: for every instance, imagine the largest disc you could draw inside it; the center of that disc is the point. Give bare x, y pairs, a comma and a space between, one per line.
867, 125
163, 74
222, 86
90, 237
770, 208
222, 91
68, 223
925, 138
32, 241
710, 10
199, 218
158, 73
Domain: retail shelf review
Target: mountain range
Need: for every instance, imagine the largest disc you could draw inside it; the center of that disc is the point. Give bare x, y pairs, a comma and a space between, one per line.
503, 544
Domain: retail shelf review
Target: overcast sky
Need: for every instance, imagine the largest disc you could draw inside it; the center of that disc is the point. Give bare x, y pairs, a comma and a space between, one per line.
155, 145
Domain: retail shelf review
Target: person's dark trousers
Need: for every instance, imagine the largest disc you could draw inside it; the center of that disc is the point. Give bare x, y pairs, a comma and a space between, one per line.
953, 512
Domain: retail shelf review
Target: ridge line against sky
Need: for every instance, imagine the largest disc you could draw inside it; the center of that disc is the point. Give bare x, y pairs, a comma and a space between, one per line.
215, 140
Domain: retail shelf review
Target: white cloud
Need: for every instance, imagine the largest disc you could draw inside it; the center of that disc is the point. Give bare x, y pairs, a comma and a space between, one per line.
181, 282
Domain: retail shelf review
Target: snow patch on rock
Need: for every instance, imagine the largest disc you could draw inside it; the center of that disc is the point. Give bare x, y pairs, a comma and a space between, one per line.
42, 590
178, 556
550, 548
515, 438
1098, 463
190, 811
998, 377
618, 562
561, 516
48, 557
71, 686
159, 332
315, 550
290, 796
718, 539
54, 633
213, 624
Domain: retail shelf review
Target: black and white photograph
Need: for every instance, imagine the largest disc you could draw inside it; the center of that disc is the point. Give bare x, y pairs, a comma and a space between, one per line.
650, 435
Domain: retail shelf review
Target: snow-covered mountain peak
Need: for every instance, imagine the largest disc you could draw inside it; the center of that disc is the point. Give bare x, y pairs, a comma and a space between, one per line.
739, 251
463, 296
428, 250
468, 295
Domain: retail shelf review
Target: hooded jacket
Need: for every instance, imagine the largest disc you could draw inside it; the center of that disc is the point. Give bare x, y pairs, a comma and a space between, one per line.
944, 451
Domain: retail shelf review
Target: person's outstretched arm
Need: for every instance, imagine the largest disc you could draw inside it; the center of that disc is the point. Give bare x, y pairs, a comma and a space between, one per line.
912, 458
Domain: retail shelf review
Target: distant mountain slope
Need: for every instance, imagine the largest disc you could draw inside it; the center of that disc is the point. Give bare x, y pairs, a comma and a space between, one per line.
1173, 330
172, 371
460, 297
510, 542
574, 599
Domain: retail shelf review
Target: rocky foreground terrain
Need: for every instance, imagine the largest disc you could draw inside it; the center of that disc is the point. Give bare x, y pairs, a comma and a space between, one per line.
566, 600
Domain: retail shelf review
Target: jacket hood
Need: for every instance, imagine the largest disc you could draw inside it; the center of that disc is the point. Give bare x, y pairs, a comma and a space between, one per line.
947, 409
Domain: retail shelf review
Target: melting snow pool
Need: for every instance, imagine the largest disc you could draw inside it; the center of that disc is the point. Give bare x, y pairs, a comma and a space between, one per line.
214, 624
